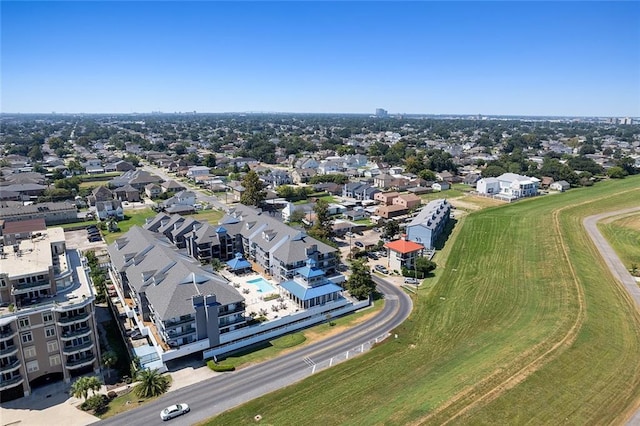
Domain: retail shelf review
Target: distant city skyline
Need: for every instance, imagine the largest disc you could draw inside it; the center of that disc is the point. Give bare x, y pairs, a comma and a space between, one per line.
432, 58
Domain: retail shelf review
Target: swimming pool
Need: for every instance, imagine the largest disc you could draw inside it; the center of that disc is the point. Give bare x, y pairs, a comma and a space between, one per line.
262, 284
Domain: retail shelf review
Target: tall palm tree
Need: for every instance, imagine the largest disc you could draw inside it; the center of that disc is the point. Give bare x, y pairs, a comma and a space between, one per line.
152, 383
94, 384
109, 359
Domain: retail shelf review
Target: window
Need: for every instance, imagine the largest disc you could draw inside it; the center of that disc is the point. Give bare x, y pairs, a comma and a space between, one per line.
55, 360
50, 331
24, 322
47, 317
3, 283
27, 337
30, 352
52, 346
32, 366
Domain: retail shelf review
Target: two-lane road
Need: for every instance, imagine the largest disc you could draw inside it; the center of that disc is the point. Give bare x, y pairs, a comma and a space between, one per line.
223, 392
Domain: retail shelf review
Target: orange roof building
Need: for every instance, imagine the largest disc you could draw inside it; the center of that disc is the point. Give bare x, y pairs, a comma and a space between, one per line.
403, 254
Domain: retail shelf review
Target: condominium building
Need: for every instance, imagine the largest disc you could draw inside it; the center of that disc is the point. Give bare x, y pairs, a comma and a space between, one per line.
429, 223
509, 186
47, 313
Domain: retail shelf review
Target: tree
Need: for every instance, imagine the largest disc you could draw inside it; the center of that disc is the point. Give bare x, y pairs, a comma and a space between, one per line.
616, 173
391, 229
493, 171
253, 194
296, 216
322, 229
152, 383
82, 386
424, 265
360, 284
109, 359
210, 160
133, 159
35, 153
427, 174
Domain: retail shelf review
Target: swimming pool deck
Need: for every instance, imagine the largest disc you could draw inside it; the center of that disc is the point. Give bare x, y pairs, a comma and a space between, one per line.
254, 299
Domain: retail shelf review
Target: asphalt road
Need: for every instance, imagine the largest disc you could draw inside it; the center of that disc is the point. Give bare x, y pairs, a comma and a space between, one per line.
223, 392
617, 268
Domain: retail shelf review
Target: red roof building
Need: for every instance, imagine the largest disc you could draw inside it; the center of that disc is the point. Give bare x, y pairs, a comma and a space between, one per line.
402, 254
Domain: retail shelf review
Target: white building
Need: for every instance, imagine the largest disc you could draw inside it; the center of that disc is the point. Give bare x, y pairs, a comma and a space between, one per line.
509, 186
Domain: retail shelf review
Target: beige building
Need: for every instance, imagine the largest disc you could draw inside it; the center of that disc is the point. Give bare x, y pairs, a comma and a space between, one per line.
47, 314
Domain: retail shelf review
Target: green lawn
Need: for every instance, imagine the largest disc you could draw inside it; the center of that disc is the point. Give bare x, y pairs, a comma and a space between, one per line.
624, 236
449, 193
211, 216
131, 218
522, 323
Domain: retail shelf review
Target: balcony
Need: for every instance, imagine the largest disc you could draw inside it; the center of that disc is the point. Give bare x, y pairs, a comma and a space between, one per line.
81, 362
239, 308
8, 351
70, 350
173, 323
14, 381
27, 287
10, 366
73, 319
174, 334
7, 333
81, 332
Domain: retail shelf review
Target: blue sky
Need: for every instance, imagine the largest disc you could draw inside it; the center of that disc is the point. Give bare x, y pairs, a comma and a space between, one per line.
519, 58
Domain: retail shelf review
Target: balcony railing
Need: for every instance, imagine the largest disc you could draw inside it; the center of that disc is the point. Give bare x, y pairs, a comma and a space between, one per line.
9, 351
10, 366
173, 323
239, 308
14, 381
73, 319
81, 362
75, 333
23, 287
173, 335
70, 350
7, 333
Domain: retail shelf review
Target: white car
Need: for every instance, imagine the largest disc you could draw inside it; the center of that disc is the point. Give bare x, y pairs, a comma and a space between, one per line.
174, 411
411, 281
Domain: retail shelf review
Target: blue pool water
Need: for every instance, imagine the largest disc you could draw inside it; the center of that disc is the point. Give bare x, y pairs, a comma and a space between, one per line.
262, 284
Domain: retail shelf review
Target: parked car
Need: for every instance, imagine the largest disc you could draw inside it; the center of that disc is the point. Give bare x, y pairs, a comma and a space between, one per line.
174, 411
409, 280
136, 335
381, 268
94, 239
359, 244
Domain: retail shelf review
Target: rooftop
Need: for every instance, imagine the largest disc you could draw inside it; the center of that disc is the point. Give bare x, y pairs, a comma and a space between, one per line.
30, 256
404, 246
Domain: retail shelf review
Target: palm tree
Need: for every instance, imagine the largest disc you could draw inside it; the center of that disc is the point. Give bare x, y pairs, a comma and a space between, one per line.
152, 383
109, 359
82, 386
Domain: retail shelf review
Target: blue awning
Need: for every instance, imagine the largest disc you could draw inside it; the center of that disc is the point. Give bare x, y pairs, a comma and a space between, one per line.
308, 293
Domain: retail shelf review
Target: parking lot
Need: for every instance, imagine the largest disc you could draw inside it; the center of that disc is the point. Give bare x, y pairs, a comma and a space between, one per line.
79, 240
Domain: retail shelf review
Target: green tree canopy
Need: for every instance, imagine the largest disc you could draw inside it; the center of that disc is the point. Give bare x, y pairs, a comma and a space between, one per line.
360, 284
152, 383
253, 194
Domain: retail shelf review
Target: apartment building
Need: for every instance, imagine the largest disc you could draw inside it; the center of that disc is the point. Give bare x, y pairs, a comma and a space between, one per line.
429, 223
47, 313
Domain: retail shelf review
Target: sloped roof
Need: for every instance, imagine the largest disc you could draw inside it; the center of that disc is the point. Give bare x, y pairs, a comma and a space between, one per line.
403, 246
306, 293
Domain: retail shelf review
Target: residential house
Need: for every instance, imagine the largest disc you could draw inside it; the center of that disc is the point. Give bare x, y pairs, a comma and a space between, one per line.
101, 193
445, 176
136, 178
47, 313
383, 181
441, 186
330, 187
350, 188
276, 178
403, 253
386, 198
365, 192
389, 212
182, 198
127, 193
119, 166
93, 166
241, 162
408, 201
509, 186
171, 186
194, 171
561, 185
153, 190
327, 167
471, 179
302, 175
109, 209
355, 214
309, 287
429, 223
306, 163
546, 182
236, 191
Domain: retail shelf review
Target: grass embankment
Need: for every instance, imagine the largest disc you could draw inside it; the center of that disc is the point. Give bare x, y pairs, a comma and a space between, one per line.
624, 236
525, 324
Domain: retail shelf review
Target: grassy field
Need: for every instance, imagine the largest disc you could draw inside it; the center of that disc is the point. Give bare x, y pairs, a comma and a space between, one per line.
624, 236
212, 216
522, 323
131, 218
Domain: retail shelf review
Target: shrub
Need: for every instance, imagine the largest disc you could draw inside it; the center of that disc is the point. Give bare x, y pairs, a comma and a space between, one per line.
97, 403
112, 394
271, 297
220, 367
